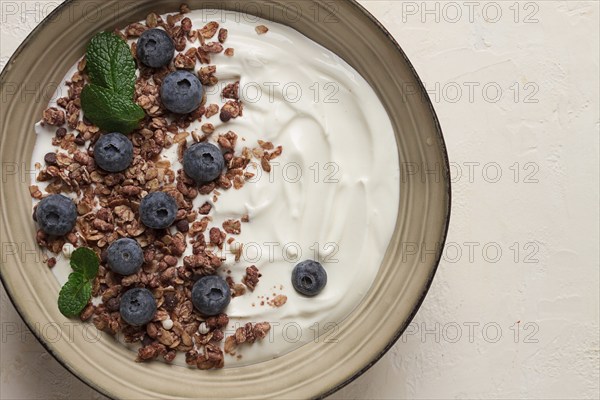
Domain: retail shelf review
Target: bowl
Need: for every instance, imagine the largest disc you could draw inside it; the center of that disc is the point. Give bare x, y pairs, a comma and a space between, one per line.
315, 369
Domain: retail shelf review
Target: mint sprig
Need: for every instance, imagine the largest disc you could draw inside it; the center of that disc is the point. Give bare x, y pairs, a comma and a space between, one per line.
109, 110
108, 100
110, 63
76, 293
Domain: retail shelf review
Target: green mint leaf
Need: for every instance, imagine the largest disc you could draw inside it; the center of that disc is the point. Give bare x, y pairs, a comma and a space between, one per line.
110, 111
85, 262
108, 100
110, 64
74, 295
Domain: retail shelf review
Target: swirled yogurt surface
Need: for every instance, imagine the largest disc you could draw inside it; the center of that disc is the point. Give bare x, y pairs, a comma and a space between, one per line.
332, 196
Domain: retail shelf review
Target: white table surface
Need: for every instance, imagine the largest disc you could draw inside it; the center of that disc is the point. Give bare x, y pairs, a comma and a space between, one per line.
513, 311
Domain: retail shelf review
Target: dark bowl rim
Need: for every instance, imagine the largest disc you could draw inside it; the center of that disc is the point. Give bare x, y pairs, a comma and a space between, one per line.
446, 160
438, 256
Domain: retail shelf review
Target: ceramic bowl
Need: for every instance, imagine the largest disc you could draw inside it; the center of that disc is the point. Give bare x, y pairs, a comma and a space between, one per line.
314, 370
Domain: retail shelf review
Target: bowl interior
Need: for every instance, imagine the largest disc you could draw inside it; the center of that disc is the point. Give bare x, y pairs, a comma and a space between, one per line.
28, 82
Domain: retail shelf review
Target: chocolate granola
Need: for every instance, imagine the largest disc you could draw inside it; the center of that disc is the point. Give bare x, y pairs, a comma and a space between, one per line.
108, 203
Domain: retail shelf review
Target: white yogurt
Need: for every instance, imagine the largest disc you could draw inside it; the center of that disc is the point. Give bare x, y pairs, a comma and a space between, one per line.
332, 196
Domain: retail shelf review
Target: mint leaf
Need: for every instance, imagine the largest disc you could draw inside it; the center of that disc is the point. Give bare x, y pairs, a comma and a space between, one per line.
74, 295
110, 64
110, 111
108, 100
85, 262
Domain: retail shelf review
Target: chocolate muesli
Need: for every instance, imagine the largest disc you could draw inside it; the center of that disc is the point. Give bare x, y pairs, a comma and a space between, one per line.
209, 201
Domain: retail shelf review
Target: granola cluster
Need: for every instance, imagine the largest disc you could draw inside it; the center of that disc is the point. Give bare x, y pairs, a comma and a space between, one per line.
108, 203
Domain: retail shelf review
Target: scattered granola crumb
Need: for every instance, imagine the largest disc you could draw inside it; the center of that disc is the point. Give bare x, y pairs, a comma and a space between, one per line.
51, 262
209, 30
208, 129
229, 52
231, 91
213, 47
205, 208
216, 237
252, 277
35, 192
223, 35
249, 333
211, 110
54, 117
266, 145
232, 227
237, 289
185, 61
203, 56
236, 249
87, 312
207, 75
265, 164
231, 109
186, 25
278, 301
261, 29
152, 20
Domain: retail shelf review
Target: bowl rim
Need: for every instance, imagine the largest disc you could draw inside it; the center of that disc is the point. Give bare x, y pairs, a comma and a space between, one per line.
438, 256
444, 237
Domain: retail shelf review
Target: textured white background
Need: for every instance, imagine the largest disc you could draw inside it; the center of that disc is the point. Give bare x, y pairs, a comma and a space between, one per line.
513, 311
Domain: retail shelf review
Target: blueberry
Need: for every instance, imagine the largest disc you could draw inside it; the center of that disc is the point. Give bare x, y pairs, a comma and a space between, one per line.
158, 210
137, 306
155, 48
309, 278
203, 162
181, 92
125, 256
113, 152
56, 215
211, 295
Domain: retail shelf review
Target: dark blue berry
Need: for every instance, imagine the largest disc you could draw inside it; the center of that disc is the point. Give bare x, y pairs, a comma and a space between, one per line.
211, 295
203, 162
125, 256
113, 152
181, 92
309, 278
158, 210
56, 215
137, 306
155, 48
